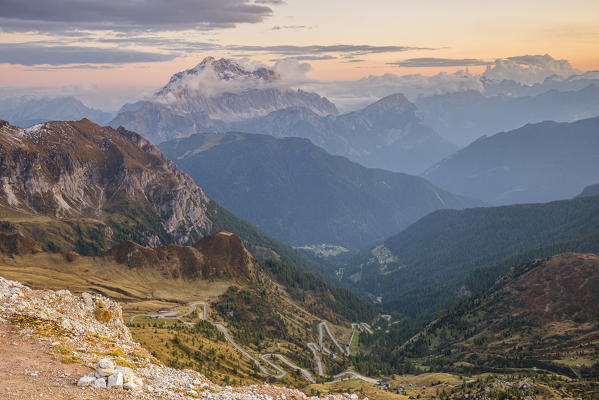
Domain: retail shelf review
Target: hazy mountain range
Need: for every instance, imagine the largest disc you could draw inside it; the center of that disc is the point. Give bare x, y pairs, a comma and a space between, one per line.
221, 96
462, 117
27, 111
538, 162
298, 193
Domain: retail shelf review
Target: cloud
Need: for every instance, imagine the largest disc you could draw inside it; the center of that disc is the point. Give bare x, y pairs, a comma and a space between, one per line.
439, 62
320, 49
128, 16
155, 42
291, 71
529, 69
307, 58
77, 66
30, 54
294, 27
244, 74
80, 88
352, 95
273, 2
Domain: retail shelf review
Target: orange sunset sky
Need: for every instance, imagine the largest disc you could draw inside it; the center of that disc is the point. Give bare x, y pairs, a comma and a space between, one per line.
473, 31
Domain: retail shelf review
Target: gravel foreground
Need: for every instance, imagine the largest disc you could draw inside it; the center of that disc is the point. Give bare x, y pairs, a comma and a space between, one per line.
51, 341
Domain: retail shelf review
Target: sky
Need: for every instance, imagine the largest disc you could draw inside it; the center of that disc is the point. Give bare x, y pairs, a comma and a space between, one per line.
119, 49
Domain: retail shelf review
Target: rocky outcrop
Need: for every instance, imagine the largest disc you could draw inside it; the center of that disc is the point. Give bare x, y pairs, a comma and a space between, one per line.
219, 256
79, 169
14, 244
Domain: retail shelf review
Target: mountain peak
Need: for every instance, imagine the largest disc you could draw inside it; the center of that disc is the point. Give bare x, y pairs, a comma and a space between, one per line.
393, 102
211, 70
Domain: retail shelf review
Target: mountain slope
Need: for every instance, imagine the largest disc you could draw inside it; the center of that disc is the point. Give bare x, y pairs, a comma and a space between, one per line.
538, 314
300, 194
388, 134
538, 162
419, 270
71, 170
30, 111
462, 117
210, 95
591, 190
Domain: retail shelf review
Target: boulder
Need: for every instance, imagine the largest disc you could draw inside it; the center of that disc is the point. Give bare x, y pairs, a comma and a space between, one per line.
115, 379
131, 386
100, 383
106, 367
86, 380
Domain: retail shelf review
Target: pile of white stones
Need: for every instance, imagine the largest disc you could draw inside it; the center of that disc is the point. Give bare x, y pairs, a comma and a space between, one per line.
108, 375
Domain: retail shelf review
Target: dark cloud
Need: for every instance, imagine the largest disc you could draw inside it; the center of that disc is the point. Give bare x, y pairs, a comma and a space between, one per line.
354, 60
127, 16
39, 54
439, 62
291, 50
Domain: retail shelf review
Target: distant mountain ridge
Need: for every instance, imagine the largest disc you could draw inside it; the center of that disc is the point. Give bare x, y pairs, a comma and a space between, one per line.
387, 134
302, 195
536, 163
30, 111
591, 190
463, 117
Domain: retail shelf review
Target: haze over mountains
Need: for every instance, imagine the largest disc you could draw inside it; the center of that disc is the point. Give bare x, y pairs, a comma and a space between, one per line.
463, 117
536, 163
27, 111
300, 194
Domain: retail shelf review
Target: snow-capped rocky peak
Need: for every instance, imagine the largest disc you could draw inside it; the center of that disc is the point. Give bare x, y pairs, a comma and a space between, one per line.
211, 72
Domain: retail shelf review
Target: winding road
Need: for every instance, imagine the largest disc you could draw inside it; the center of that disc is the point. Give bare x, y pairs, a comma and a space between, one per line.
266, 358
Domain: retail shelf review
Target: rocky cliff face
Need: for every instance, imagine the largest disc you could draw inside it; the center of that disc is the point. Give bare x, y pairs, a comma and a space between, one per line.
212, 95
221, 256
79, 169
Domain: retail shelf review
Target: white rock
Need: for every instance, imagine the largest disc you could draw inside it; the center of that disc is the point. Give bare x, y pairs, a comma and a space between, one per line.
100, 382
115, 379
86, 380
106, 363
106, 367
87, 298
131, 386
